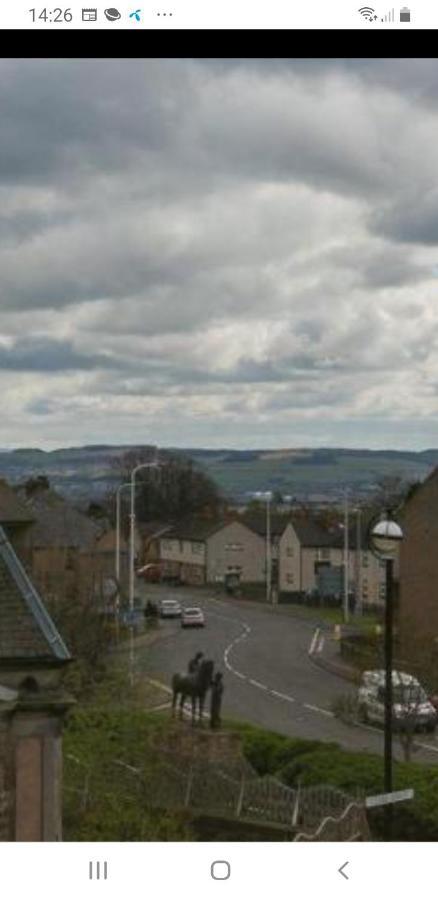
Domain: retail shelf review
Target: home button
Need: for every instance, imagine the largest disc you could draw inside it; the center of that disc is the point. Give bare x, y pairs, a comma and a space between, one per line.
220, 870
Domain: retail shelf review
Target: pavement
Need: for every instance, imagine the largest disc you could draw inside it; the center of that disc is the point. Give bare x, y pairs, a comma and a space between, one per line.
282, 672
324, 651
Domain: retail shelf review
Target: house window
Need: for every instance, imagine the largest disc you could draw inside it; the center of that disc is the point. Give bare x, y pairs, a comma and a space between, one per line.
365, 560
289, 578
167, 545
233, 547
324, 554
365, 588
196, 547
382, 591
181, 546
289, 551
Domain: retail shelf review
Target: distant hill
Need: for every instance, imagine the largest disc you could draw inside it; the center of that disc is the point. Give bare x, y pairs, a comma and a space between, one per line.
88, 472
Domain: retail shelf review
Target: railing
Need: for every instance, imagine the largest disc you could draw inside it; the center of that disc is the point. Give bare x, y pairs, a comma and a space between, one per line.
317, 813
351, 825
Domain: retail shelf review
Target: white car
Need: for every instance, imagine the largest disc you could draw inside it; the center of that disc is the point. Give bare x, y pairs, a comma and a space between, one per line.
170, 609
410, 704
192, 617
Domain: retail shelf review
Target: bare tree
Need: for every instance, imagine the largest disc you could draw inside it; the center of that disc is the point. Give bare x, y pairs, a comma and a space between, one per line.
180, 489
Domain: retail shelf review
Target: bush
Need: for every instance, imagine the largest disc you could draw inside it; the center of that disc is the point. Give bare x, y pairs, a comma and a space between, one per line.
296, 761
106, 801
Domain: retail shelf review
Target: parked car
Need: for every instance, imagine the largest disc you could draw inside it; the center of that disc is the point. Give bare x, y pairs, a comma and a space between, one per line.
192, 617
170, 609
411, 706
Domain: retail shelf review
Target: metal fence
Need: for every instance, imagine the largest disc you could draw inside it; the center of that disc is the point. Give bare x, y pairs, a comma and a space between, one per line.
309, 813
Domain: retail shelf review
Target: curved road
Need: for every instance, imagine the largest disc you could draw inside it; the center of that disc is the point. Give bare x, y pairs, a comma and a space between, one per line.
270, 680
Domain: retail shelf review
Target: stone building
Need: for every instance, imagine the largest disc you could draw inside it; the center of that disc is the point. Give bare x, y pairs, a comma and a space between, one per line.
418, 585
15, 517
307, 549
32, 706
202, 551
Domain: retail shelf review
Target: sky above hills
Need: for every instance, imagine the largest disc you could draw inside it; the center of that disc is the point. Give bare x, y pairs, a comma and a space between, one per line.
219, 252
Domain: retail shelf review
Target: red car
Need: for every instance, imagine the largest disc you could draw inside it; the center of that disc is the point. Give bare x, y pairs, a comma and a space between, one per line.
150, 572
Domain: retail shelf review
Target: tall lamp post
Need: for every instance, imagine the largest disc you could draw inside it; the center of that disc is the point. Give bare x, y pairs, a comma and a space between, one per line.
151, 465
117, 561
346, 557
385, 537
267, 497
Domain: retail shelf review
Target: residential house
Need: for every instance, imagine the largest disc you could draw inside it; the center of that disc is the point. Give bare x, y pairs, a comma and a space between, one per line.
148, 540
15, 517
66, 550
307, 549
418, 583
200, 551
32, 706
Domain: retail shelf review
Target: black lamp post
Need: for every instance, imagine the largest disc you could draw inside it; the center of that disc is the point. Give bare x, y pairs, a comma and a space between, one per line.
384, 540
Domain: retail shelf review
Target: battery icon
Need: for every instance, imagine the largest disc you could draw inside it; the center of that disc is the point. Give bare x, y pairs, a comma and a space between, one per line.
405, 14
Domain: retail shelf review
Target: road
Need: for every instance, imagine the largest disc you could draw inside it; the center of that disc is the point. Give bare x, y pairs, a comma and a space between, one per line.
270, 681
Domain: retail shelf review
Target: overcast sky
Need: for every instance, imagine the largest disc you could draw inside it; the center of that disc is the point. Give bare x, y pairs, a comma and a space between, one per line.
219, 252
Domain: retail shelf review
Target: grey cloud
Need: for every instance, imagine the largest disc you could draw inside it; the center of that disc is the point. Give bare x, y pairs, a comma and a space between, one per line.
46, 355
411, 219
192, 233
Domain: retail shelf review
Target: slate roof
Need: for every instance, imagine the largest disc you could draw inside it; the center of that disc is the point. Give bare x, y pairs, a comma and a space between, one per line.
256, 521
27, 632
12, 509
195, 529
57, 523
312, 534
149, 529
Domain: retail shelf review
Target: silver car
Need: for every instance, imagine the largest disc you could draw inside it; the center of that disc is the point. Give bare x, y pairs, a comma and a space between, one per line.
192, 617
170, 609
411, 707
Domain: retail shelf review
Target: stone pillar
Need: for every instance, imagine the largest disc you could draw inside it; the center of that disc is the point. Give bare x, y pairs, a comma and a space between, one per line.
36, 740
31, 767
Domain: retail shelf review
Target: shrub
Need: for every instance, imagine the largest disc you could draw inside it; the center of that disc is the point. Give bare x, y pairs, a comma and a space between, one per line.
314, 763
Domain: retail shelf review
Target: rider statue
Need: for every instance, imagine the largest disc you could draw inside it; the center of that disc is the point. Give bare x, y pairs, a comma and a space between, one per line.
217, 690
195, 663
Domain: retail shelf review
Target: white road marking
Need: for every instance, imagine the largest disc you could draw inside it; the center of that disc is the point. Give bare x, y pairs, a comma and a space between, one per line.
325, 712
321, 644
315, 636
258, 684
283, 696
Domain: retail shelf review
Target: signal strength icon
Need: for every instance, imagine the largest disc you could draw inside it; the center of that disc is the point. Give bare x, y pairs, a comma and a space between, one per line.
368, 13
389, 16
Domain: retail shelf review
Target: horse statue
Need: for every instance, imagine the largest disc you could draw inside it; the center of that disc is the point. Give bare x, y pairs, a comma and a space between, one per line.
194, 686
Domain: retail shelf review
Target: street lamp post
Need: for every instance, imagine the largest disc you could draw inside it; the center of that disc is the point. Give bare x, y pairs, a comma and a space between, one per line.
117, 561
268, 549
151, 465
267, 496
346, 557
384, 538
358, 605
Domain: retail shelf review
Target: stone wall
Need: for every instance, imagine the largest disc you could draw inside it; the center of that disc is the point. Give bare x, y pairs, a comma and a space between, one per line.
5, 823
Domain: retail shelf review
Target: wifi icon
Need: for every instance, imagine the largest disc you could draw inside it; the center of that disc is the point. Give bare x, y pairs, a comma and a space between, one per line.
367, 13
